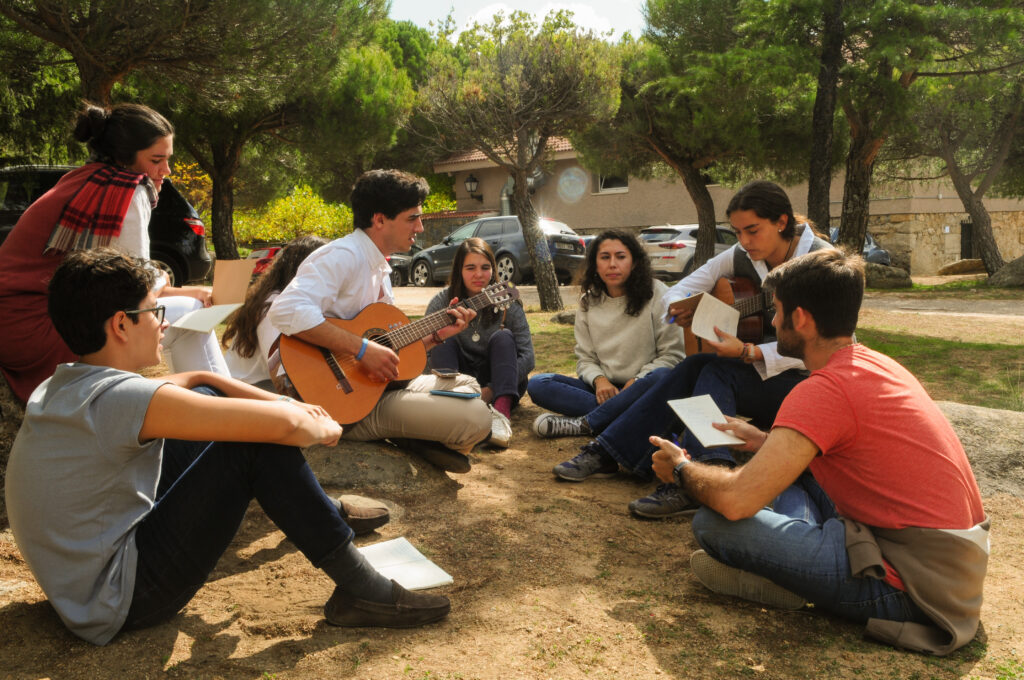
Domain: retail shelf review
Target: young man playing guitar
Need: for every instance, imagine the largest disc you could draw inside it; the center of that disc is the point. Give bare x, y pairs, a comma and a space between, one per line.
338, 281
740, 377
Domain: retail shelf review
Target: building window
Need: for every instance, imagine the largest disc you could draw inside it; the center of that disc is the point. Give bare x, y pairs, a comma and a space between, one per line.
610, 184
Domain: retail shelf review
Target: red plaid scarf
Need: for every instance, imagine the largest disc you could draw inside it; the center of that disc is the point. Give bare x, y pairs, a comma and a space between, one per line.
95, 214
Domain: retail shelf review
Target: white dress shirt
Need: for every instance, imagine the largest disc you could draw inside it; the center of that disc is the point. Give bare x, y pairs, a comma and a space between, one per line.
337, 280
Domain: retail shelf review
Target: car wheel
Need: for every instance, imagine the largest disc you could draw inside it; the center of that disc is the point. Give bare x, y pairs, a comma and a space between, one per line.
174, 275
396, 279
508, 270
421, 275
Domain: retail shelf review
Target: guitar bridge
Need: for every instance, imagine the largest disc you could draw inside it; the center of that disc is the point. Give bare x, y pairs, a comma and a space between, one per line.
336, 369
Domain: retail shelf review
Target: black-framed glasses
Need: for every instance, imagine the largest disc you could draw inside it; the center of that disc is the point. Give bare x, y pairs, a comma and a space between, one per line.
158, 312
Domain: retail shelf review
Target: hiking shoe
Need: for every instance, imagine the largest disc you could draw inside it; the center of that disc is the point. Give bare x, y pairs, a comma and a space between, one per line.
406, 609
501, 429
591, 461
550, 425
668, 500
725, 580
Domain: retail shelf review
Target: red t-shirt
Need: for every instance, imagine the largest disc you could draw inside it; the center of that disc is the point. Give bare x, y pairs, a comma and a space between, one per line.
889, 458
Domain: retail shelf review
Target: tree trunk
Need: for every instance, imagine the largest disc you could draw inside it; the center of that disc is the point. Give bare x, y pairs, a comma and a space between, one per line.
225, 158
983, 241
705, 205
96, 83
860, 164
819, 178
537, 245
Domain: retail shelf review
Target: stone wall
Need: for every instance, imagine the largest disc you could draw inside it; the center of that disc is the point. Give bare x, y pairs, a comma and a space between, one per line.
921, 243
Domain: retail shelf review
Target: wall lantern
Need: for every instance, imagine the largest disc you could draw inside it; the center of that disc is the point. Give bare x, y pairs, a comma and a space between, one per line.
471, 186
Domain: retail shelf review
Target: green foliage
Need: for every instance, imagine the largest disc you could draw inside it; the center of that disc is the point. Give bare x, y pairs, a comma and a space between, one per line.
438, 203
301, 213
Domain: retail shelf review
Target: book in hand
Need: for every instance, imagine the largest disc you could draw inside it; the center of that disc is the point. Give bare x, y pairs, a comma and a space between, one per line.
697, 413
712, 312
399, 560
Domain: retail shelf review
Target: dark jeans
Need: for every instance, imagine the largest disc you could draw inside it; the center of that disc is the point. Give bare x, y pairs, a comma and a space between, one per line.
500, 371
204, 490
735, 386
573, 397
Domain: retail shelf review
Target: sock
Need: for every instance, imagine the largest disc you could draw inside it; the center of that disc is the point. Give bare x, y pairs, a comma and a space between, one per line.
352, 573
503, 405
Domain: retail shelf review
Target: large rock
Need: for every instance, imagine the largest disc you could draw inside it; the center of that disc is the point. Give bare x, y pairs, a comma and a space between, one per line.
969, 266
567, 317
880, 276
994, 441
1011, 275
376, 468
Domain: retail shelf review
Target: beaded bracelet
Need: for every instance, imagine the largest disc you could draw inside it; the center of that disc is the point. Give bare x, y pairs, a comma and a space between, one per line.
362, 350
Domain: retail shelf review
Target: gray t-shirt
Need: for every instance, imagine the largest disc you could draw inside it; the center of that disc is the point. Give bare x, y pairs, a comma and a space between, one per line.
78, 482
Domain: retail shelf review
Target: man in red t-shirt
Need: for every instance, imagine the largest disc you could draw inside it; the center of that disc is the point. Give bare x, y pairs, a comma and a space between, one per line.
876, 516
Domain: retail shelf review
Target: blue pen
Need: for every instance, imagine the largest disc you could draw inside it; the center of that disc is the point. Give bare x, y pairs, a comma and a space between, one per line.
672, 319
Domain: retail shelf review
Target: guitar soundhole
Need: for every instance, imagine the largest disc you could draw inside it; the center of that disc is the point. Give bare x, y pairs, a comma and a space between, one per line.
379, 336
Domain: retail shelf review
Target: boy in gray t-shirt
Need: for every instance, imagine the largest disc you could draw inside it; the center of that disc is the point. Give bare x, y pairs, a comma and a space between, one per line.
148, 501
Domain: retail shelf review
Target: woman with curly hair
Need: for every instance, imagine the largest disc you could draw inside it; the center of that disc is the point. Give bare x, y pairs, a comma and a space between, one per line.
623, 345
249, 336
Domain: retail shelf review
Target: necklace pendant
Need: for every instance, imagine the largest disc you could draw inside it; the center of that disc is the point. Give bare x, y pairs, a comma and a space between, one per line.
476, 336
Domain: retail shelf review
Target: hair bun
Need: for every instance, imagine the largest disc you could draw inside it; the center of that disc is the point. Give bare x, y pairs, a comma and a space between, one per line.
92, 121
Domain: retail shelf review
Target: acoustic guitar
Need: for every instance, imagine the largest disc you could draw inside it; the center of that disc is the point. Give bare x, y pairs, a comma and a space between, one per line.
742, 295
338, 382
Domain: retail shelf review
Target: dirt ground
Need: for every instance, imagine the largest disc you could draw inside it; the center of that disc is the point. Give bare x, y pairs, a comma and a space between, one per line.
552, 580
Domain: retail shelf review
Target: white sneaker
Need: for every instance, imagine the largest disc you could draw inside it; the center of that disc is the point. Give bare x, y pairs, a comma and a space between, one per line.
725, 580
501, 429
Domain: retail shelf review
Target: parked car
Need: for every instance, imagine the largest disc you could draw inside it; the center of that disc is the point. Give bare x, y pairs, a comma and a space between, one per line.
264, 258
177, 236
505, 236
671, 248
400, 265
872, 251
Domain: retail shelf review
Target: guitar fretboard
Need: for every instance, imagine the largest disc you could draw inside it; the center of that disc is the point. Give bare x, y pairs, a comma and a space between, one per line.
753, 305
421, 328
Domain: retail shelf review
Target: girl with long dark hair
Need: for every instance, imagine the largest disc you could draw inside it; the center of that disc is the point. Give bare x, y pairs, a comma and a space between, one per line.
623, 345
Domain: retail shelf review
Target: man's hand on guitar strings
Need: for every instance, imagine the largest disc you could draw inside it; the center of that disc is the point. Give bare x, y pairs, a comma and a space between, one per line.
727, 345
461, 316
380, 362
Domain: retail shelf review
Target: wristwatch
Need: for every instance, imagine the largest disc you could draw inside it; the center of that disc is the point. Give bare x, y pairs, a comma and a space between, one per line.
677, 472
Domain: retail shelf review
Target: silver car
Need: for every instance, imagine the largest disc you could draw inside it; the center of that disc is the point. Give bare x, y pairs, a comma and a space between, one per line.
671, 248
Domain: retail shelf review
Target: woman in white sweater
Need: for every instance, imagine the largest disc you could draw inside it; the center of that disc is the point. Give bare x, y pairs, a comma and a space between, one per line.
623, 344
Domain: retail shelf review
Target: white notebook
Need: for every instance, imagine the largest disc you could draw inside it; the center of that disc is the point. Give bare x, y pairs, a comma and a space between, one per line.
697, 413
399, 560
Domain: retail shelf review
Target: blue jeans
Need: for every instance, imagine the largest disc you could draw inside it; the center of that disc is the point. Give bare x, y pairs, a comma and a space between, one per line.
801, 546
204, 491
573, 397
735, 386
500, 371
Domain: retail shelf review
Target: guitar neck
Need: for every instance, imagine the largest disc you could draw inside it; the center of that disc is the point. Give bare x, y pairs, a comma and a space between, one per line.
752, 305
421, 328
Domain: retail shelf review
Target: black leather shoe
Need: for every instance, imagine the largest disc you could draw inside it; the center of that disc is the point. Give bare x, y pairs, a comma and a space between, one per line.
406, 610
362, 514
437, 454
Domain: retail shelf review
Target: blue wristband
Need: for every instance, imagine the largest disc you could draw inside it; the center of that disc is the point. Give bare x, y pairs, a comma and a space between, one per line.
362, 350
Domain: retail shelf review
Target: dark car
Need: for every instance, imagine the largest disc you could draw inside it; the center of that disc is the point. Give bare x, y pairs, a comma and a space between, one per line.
872, 251
400, 265
505, 236
177, 236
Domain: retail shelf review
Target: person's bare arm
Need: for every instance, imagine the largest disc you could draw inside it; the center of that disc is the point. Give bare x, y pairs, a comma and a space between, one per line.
740, 492
178, 413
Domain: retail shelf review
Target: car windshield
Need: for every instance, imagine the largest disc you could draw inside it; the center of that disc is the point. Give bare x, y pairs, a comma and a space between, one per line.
553, 227
463, 232
659, 235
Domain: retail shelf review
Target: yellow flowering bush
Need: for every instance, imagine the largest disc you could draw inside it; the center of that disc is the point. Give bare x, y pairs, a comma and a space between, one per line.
301, 213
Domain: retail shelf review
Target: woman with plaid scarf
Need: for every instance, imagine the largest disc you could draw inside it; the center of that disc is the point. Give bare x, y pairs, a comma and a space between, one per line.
106, 202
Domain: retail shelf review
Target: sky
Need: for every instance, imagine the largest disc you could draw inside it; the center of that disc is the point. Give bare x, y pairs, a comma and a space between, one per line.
598, 15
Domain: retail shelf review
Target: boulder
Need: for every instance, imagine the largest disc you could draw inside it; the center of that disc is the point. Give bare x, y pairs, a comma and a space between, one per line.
376, 468
969, 266
567, 317
1011, 275
994, 442
880, 276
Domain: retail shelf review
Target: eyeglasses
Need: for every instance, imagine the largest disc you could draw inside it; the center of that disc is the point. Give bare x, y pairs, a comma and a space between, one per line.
158, 312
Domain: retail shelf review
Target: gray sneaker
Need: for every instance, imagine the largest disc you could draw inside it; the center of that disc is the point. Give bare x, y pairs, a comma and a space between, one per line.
591, 461
550, 425
668, 500
725, 580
